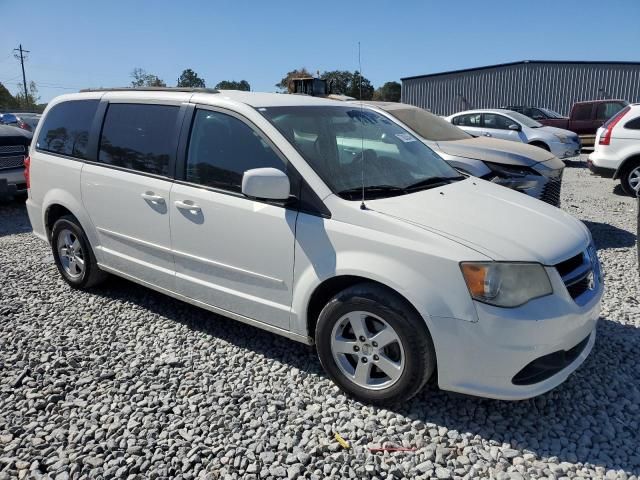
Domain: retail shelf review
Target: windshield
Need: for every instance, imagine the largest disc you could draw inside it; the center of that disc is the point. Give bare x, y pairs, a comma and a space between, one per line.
551, 113
524, 120
334, 140
427, 125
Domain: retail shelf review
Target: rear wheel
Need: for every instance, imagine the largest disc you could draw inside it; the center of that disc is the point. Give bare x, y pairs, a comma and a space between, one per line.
73, 255
630, 177
374, 346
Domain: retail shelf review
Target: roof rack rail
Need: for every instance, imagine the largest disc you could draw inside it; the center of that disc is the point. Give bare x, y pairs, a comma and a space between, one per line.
152, 89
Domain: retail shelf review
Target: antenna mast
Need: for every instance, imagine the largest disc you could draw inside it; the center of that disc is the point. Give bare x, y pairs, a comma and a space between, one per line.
362, 204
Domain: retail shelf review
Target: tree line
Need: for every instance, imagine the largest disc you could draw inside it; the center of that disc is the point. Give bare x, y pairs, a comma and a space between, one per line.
342, 82
187, 79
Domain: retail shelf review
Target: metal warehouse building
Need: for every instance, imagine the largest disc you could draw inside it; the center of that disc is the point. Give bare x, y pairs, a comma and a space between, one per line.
554, 85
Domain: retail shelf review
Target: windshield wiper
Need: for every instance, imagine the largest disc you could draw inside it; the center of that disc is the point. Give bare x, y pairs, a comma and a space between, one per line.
371, 191
433, 182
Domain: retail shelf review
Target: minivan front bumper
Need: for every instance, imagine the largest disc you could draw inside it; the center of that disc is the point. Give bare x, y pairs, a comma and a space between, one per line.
518, 353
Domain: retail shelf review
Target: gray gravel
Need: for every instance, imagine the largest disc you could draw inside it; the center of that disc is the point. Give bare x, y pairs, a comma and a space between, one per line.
126, 383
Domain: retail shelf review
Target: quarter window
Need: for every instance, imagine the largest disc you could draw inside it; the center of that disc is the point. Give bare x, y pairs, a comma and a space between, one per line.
471, 120
139, 137
633, 124
66, 128
222, 148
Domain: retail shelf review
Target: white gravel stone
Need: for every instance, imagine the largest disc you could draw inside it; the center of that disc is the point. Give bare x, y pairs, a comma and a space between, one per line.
125, 382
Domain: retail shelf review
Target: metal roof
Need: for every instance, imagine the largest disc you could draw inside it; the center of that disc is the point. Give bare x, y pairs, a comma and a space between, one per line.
522, 62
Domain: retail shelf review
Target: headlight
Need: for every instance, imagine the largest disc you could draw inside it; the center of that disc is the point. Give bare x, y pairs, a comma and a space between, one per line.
506, 284
512, 176
562, 138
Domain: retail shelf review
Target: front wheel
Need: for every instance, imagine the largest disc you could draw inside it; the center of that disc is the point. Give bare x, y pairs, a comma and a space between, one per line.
374, 346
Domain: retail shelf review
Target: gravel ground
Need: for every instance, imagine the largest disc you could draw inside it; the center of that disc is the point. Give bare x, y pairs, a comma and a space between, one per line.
127, 383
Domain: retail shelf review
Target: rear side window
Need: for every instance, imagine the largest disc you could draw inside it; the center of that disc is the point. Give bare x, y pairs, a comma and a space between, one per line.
605, 111
66, 128
222, 148
633, 124
139, 137
582, 112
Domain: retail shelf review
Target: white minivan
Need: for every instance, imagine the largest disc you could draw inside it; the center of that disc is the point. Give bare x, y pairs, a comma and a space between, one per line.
258, 207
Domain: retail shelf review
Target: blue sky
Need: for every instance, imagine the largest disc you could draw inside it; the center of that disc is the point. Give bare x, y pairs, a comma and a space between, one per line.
79, 44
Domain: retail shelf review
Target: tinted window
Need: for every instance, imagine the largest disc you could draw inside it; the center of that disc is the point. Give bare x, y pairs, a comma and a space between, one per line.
633, 124
605, 111
222, 148
66, 128
537, 114
471, 120
139, 137
499, 122
582, 112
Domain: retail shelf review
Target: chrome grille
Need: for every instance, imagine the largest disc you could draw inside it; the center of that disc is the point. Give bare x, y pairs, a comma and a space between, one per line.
552, 189
580, 274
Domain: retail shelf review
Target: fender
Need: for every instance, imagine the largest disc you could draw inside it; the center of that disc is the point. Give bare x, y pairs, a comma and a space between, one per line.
633, 155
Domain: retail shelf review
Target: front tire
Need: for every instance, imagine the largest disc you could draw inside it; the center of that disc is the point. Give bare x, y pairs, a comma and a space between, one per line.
630, 178
374, 346
73, 254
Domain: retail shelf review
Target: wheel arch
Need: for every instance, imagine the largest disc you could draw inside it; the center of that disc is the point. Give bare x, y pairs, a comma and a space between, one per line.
332, 286
540, 144
58, 203
625, 163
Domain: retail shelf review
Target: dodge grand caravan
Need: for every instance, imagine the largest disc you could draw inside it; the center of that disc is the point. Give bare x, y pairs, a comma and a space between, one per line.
255, 206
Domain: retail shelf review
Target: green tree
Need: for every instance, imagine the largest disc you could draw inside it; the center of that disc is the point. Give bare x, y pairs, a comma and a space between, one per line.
343, 82
355, 87
31, 99
338, 81
143, 79
297, 73
389, 92
189, 78
7, 101
233, 85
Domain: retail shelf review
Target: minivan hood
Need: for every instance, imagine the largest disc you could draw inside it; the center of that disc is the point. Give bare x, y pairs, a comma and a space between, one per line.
498, 222
496, 151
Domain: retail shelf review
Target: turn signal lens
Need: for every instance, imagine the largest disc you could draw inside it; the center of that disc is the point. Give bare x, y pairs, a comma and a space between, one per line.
506, 284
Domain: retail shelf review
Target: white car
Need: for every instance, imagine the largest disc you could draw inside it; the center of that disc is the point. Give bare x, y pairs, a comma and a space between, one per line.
617, 149
509, 125
251, 206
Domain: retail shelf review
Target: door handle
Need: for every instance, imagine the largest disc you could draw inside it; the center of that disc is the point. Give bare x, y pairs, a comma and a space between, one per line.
187, 205
152, 197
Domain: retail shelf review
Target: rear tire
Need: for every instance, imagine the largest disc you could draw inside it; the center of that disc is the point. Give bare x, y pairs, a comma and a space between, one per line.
374, 346
630, 177
73, 254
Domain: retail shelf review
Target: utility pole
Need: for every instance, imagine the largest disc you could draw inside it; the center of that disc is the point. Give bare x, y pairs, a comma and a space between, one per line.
20, 56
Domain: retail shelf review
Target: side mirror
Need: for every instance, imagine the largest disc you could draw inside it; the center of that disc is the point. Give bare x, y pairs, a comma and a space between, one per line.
515, 126
266, 183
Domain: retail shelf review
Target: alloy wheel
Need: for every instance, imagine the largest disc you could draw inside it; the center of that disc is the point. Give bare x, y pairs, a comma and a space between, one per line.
367, 350
71, 254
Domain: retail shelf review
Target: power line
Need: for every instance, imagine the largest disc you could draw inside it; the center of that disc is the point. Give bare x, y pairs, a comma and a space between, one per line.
24, 77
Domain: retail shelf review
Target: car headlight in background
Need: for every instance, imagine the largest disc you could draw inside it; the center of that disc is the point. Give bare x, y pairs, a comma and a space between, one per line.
512, 176
506, 284
562, 138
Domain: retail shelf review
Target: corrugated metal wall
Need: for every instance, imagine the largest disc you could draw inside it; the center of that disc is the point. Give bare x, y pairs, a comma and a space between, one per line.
553, 85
